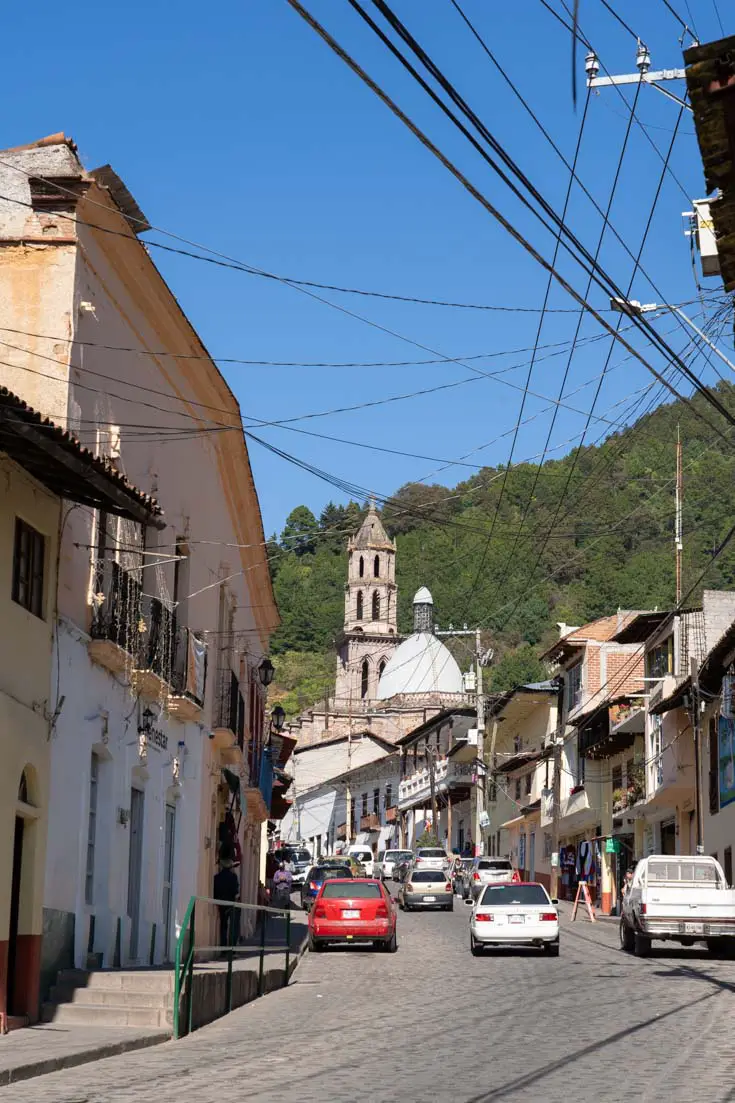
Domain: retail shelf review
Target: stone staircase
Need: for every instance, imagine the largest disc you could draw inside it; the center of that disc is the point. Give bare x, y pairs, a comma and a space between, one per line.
133, 997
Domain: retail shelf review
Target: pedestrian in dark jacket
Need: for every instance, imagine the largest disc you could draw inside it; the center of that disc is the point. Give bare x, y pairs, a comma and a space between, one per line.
226, 887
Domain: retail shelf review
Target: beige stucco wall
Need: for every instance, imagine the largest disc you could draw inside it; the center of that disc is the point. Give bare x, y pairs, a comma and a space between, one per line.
25, 684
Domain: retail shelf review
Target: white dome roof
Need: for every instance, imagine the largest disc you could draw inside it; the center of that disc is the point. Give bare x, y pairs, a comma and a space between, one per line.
423, 597
421, 664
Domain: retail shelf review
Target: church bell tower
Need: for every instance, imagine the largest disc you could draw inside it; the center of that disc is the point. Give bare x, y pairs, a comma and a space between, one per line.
370, 633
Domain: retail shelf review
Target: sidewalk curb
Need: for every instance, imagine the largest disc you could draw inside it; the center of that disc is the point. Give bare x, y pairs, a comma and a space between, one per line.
82, 1057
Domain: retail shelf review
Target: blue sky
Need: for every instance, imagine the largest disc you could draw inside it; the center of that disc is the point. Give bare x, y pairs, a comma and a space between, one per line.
238, 128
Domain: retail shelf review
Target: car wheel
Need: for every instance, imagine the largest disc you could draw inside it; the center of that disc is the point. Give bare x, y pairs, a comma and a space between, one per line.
315, 946
641, 945
551, 948
627, 937
391, 945
449, 907
475, 947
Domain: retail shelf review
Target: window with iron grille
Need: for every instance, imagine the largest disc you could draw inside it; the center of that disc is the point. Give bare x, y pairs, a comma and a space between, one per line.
573, 680
364, 804
529, 777
389, 795
28, 568
376, 801
518, 788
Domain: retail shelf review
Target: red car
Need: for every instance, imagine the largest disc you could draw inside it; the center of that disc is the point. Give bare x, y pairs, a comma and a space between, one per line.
356, 910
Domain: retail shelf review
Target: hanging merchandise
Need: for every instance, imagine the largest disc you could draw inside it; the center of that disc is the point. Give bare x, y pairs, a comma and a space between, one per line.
726, 708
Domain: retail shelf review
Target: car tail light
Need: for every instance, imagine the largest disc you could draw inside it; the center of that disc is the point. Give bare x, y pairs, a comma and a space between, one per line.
643, 909
320, 912
548, 917
475, 876
381, 912
483, 917
419, 861
447, 887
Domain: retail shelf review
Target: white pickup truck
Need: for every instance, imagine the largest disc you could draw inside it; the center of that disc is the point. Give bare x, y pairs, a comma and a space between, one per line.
679, 898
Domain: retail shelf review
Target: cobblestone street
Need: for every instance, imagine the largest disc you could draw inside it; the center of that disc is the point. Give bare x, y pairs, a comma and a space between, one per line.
432, 1022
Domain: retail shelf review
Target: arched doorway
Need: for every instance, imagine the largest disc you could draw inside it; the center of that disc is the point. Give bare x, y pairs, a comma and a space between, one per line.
23, 960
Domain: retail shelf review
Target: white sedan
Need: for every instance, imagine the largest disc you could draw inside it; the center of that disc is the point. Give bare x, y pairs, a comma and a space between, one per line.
514, 915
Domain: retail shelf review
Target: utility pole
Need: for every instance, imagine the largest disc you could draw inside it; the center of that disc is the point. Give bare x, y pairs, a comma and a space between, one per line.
678, 538
556, 791
348, 787
481, 659
432, 785
694, 671
480, 704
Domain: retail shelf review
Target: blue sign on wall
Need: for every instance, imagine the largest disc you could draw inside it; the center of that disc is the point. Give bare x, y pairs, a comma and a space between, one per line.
726, 732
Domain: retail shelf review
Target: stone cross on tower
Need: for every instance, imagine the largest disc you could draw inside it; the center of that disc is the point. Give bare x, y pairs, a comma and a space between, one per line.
370, 624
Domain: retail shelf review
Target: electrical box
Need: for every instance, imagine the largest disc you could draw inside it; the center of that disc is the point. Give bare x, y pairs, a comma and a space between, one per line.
472, 737
705, 238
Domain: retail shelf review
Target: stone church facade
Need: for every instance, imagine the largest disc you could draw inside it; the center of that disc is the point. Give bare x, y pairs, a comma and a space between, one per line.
368, 640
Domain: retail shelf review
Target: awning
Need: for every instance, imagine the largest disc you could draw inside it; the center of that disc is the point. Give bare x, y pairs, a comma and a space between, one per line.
516, 822
279, 807
65, 467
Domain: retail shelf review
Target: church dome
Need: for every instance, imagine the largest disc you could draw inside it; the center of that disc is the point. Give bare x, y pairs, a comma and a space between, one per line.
421, 664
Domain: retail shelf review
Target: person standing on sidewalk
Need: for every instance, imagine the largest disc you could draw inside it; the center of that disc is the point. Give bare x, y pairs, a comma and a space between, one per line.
226, 887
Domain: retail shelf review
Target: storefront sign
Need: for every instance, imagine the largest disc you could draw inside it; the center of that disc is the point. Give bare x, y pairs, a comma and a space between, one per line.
612, 846
157, 739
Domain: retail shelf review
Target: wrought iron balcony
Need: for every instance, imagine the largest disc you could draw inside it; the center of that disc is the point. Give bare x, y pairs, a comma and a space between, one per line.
370, 822
229, 713
189, 675
155, 653
116, 617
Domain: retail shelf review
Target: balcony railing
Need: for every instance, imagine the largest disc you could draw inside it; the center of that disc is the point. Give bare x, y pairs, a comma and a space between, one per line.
391, 814
446, 773
370, 822
155, 651
189, 675
116, 606
230, 706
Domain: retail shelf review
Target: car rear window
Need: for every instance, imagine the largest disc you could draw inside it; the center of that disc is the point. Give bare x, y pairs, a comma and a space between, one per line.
362, 855
397, 855
427, 875
431, 852
324, 873
690, 870
504, 896
503, 865
360, 890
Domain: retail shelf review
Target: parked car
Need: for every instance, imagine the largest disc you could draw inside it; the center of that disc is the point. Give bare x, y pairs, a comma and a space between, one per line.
387, 862
353, 911
426, 888
486, 871
682, 898
520, 914
364, 856
431, 857
315, 878
461, 874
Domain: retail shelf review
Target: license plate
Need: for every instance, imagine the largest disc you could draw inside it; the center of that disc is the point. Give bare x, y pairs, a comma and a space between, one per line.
694, 928
517, 918
429, 899
351, 914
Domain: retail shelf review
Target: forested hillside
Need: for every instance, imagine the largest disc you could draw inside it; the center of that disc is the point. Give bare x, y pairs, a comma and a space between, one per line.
517, 551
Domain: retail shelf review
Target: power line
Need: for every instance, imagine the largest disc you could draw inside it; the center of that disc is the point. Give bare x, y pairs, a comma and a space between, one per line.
510, 229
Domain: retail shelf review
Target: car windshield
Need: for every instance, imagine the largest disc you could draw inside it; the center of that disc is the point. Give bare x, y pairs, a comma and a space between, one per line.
501, 865
359, 890
301, 856
427, 875
506, 896
431, 852
324, 873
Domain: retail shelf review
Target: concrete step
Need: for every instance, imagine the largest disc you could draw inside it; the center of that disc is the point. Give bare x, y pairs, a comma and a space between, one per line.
94, 961
104, 1015
109, 997
132, 980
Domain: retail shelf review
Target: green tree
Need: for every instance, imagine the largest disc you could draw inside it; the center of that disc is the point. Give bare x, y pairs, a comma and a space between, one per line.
300, 531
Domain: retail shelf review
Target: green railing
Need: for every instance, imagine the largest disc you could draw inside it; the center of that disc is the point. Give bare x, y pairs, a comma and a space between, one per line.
187, 951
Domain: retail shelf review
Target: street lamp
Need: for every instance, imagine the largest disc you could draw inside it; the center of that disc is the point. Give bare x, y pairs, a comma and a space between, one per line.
633, 309
278, 718
266, 671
